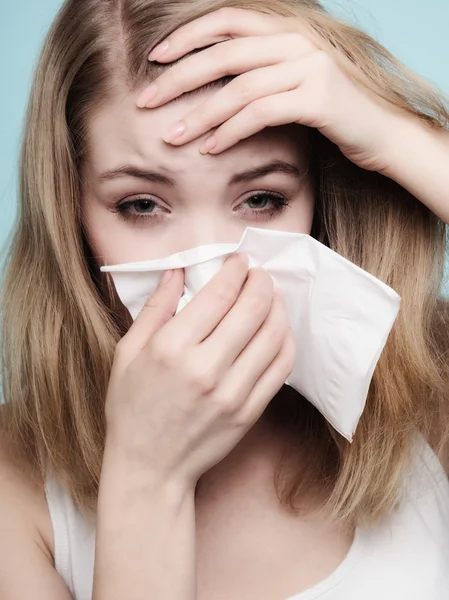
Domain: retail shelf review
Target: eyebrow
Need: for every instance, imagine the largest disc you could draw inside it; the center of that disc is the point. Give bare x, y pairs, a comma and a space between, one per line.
276, 166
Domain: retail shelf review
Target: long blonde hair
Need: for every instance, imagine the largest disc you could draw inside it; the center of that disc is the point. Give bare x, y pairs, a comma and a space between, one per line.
60, 321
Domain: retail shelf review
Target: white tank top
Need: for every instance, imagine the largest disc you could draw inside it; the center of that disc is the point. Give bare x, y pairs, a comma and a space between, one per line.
406, 557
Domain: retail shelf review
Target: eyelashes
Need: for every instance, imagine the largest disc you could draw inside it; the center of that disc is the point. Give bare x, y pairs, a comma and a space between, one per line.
124, 210
144, 210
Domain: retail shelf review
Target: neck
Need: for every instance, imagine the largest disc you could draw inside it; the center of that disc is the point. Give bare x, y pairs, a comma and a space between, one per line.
250, 467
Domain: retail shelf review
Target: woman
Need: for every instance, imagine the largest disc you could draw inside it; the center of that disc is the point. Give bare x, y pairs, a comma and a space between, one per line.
164, 458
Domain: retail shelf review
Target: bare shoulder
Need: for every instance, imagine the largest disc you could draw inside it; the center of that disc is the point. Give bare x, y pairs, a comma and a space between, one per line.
22, 492
26, 533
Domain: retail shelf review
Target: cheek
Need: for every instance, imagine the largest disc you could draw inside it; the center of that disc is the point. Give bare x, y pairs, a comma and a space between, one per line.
110, 241
308, 209
299, 217
114, 241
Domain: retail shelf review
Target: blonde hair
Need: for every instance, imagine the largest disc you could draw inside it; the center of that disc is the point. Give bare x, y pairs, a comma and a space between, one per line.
60, 318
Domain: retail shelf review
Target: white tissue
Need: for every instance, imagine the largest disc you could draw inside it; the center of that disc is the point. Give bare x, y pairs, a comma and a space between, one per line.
341, 315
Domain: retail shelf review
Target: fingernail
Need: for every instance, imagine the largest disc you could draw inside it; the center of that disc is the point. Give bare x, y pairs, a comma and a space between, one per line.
167, 276
149, 94
175, 131
158, 51
207, 145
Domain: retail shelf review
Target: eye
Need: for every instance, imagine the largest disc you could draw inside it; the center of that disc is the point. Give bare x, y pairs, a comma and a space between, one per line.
259, 201
263, 205
141, 205
139, 209
258, 206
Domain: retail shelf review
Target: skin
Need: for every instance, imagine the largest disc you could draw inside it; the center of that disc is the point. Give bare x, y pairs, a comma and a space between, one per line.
286, 74
236, 503
204, 207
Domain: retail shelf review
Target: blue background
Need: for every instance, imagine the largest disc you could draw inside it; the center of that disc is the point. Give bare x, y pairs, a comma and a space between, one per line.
416, 32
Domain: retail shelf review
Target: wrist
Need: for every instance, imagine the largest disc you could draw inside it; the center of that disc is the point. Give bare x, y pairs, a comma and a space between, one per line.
139, 479
407, 140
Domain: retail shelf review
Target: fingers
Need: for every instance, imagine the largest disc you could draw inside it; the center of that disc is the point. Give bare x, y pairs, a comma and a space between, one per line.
256, 358
285, 108
242, 322
235, 96
201, 316
232, 57
271, 381
158, 309
214, 27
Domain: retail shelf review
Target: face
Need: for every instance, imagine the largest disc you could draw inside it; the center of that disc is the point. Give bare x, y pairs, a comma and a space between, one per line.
144, 199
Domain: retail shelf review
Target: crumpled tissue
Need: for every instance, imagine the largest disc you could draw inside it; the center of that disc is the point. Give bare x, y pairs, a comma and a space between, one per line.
341, 315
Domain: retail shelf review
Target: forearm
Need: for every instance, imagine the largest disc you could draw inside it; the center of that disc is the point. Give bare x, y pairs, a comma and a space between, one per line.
419, 162
145, 538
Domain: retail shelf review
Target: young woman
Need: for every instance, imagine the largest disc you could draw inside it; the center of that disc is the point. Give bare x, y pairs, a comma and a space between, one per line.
164, 458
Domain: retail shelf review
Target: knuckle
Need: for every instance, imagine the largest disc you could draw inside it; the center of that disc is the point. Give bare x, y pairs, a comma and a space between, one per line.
215, 63
156, 309
165, 313
156, 305
164, 352
276, 335
258, 305
245, 92
204, 378
174, 79
203, 121
225, 403
152, 301
246, 417
260, 112
226, 293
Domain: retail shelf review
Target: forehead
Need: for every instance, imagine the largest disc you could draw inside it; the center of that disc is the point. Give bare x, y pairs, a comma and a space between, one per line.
121, 132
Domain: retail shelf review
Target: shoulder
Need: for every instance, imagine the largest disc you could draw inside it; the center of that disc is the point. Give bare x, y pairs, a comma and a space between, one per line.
23, 503
26, 547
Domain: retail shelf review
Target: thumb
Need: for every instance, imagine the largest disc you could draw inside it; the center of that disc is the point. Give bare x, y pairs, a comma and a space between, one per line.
159, 307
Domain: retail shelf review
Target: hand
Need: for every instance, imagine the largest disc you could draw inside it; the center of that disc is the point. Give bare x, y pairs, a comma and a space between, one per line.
185, 389
285, 75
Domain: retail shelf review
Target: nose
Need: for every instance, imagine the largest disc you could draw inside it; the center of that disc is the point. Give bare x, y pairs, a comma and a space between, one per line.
208, 231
